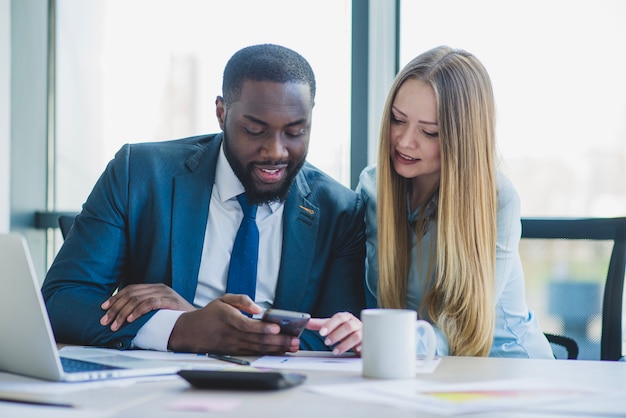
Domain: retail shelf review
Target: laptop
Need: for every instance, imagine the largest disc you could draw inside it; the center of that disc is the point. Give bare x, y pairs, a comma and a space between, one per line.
27, 345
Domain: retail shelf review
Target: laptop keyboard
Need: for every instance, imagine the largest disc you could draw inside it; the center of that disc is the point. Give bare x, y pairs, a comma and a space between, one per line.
72, 366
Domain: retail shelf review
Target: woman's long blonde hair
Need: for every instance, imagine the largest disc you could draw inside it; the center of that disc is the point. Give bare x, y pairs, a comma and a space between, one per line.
460, 300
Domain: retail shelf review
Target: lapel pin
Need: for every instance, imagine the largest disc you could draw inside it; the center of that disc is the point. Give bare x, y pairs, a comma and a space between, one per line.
310, 211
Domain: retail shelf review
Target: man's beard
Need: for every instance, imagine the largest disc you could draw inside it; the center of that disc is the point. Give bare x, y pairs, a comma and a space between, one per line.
278, 192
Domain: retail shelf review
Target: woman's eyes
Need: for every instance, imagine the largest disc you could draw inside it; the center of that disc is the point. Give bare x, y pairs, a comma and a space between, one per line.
395, 120
429, 134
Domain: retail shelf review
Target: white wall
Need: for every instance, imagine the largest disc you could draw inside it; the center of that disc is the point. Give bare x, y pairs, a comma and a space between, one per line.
5, 116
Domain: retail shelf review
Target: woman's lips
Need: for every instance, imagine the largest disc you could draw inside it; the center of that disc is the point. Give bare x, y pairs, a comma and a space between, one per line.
405, 159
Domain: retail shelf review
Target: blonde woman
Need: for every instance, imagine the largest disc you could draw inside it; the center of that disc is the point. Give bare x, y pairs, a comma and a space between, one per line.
443, 226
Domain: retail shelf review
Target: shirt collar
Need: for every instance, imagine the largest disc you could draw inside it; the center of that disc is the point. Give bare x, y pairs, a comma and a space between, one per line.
226, 182
429, 207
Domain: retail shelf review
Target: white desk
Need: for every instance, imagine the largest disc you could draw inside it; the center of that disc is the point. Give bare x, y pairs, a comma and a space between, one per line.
150, 399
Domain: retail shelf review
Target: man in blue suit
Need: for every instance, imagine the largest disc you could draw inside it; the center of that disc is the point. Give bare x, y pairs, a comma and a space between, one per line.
145, 264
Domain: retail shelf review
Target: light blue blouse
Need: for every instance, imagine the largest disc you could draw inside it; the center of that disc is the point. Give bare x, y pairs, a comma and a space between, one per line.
517, 331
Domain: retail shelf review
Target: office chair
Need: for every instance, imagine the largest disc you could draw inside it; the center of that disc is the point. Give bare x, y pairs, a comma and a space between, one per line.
65, 223
569, 345
576, 295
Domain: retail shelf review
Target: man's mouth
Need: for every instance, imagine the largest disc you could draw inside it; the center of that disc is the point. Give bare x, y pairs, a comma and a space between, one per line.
272, 174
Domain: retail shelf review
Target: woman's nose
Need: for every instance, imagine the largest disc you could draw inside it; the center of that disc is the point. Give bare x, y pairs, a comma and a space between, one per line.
407, 138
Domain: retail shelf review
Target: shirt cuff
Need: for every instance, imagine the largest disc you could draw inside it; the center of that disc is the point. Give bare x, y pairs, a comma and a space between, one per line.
155, 334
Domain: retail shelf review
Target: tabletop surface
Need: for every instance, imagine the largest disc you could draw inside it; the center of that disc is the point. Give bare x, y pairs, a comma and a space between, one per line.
174, 397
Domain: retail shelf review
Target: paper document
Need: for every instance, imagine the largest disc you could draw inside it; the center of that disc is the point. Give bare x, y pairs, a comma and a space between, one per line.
327, 363
457, 398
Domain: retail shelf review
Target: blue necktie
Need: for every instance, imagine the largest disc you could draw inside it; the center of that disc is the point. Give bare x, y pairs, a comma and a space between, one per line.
245, 255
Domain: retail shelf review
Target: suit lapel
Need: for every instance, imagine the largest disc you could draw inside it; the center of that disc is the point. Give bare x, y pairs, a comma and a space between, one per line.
190, 209
300, 228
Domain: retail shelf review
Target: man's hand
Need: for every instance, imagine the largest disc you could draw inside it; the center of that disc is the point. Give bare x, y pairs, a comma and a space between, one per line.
220, 327
137, 299
342, 329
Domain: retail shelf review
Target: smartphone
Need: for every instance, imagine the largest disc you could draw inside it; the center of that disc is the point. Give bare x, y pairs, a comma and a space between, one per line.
291, 322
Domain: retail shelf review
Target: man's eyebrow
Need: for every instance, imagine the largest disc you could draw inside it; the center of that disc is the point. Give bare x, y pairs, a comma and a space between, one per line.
263, 123
255, 120
297, 122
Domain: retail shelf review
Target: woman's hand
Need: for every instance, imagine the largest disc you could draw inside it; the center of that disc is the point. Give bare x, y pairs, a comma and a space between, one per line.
343, 330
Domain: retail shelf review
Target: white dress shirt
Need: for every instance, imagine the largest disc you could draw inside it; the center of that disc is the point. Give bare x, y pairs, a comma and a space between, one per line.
225, 215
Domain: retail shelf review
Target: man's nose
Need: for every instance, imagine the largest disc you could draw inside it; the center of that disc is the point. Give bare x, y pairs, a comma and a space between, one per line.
274, 148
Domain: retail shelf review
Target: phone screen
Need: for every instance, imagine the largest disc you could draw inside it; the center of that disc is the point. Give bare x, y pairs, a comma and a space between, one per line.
290, 322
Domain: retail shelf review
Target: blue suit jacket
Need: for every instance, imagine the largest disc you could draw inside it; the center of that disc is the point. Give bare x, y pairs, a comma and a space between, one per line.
145, 220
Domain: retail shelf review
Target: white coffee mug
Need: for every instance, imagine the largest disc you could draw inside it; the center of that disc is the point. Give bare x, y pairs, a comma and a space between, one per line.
390, 338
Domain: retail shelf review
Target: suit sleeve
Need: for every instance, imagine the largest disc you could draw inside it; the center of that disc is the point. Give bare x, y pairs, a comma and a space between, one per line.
91, 264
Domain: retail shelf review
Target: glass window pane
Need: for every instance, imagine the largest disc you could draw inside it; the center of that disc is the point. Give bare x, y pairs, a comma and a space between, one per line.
557, 70
564, 287
146, 70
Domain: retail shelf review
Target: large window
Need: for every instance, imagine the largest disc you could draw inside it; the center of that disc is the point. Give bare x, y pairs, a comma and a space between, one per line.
145, 70
557, 68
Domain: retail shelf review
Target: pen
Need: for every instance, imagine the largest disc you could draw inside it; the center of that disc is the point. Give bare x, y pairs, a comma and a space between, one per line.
230, 359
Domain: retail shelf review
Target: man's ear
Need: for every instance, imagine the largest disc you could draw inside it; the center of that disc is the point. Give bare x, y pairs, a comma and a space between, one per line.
220, 111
